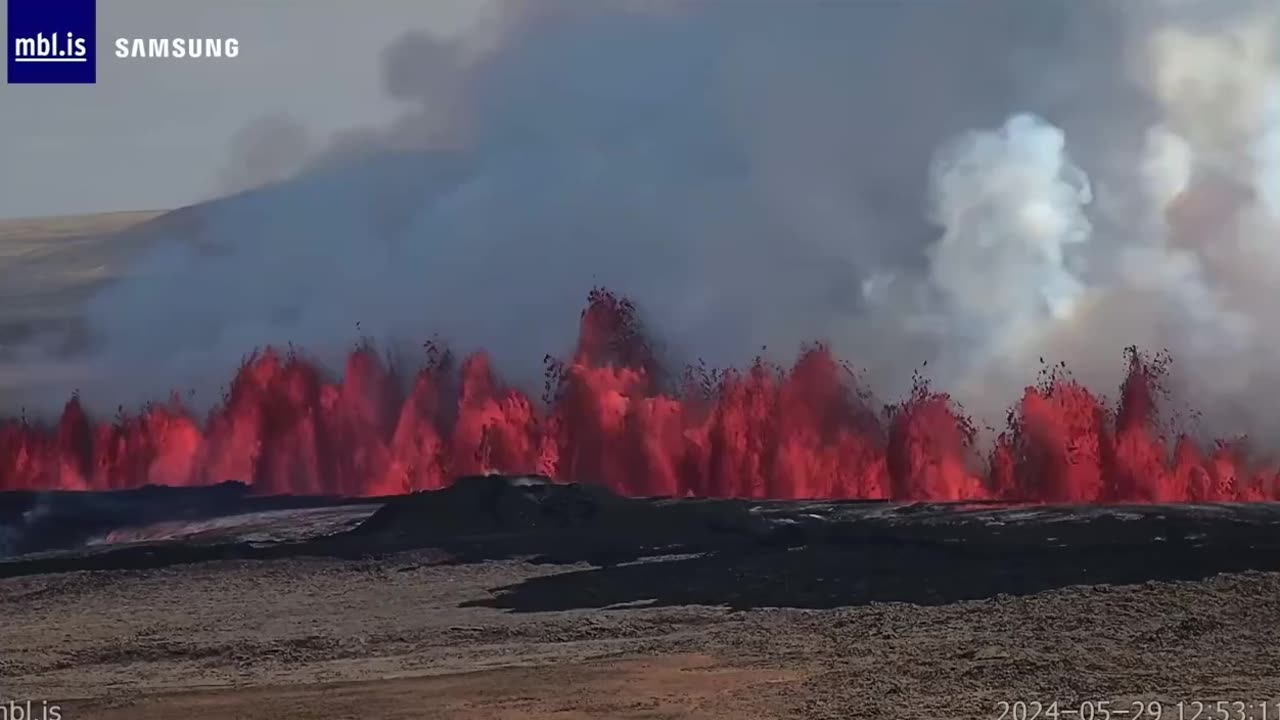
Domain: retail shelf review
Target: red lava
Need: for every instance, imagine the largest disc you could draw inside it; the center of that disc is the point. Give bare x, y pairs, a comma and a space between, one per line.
612, 416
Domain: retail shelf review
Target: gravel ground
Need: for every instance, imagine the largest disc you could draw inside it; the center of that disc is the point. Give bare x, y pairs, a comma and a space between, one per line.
404, 636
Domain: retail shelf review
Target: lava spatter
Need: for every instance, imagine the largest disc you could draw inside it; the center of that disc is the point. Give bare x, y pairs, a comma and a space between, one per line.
611, 415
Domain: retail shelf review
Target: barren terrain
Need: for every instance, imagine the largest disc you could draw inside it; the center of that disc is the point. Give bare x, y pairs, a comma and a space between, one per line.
47, 265
48, 268
749, 621
401, 637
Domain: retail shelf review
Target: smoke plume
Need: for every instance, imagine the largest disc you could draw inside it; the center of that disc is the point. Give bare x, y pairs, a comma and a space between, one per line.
985, 187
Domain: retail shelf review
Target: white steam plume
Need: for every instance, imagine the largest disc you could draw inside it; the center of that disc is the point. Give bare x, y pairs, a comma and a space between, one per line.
1013, 207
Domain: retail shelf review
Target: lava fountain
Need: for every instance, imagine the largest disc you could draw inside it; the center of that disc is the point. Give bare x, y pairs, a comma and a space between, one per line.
612, 415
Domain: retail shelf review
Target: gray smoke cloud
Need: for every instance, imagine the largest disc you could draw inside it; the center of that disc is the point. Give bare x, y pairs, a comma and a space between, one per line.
978, 185
272, 149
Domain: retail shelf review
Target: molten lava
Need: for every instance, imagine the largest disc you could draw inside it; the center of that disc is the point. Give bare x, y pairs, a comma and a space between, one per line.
611, 416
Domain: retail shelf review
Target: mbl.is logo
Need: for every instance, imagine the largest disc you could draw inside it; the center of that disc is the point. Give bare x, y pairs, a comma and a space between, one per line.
52, 41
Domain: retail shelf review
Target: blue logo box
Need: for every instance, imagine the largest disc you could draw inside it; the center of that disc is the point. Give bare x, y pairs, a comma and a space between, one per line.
52, 41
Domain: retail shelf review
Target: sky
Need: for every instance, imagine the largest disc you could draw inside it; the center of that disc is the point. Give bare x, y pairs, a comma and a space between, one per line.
157, 135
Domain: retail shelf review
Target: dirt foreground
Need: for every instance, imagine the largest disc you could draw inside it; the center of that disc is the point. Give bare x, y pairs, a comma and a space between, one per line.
404, 636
